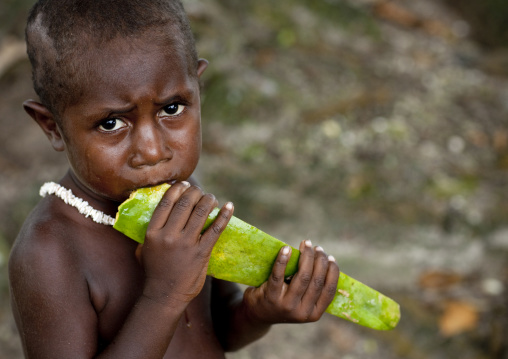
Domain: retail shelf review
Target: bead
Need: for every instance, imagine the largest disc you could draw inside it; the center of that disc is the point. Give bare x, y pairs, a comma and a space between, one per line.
82, 206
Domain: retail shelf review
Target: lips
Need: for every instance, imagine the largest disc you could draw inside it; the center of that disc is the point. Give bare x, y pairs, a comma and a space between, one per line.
153, 184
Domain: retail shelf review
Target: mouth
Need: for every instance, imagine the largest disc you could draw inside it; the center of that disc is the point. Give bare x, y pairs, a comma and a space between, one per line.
153, 184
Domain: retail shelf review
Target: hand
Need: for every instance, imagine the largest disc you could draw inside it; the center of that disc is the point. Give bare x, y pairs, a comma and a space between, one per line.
305, 298
175, 254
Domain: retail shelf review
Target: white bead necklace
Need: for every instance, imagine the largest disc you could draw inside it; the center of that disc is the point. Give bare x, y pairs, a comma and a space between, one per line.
82, 206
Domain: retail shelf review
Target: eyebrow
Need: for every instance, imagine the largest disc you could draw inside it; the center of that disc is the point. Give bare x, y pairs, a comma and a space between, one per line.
107, 112
182, 95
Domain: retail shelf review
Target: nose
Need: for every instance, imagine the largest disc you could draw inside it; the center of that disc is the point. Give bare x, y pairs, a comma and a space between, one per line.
149, 144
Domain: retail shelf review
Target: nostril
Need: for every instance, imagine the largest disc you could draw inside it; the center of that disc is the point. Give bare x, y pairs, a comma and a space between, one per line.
150, 156
149, 143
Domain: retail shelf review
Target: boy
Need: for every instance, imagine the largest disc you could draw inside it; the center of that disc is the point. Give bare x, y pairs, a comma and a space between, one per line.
119, 95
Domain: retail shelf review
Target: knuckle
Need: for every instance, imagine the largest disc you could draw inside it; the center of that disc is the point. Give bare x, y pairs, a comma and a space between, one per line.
216, 228
224, 216
196, 189
323, 258
203, 254
182, 204
288, 308
209, 197
330, 290
265, 293
305, 278
270, 298
150, 233
165, 202
314, 317
201, 211
319, 282
281, 261
276, 278
302, 317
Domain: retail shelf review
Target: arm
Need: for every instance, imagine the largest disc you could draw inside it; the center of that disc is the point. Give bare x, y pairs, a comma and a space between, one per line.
234, 328
57, 319
305, 299
52, 301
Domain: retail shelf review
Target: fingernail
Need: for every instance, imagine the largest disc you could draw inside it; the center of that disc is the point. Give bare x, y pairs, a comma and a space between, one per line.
285, 251
308, 243
331, 258
229, 205
319, 249
186, 184
172, 182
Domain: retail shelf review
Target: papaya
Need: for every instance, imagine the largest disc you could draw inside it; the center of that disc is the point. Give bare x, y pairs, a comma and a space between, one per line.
244, 254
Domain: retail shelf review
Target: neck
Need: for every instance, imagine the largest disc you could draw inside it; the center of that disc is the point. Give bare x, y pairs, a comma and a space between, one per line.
70, 181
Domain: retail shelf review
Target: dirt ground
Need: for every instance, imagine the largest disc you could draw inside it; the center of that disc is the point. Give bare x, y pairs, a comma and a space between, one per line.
378, 129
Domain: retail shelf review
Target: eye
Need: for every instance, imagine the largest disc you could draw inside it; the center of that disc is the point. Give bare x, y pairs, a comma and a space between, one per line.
173, 109
112, 124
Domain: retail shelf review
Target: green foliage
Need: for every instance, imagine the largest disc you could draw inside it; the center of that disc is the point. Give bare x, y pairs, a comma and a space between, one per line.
317, 101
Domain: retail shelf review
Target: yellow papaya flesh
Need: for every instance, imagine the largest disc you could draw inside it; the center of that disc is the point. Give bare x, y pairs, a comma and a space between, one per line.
244, 254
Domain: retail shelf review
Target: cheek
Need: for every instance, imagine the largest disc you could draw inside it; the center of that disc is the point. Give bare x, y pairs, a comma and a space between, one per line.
94, 166
187, 139
104, 163
78, 157
84, 163
196, 142
187, 146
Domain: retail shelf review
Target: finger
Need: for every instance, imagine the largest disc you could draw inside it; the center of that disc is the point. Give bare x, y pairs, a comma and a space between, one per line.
275, 283
166, 204
302, 278
212, 233
200, 213
330, 286
318, 279
183, 208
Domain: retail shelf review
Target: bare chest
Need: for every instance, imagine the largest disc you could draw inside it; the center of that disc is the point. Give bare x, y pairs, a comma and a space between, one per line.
116, 281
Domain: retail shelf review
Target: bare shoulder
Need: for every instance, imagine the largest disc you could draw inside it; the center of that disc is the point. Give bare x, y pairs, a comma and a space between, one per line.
49, 291
43, 241
43, 261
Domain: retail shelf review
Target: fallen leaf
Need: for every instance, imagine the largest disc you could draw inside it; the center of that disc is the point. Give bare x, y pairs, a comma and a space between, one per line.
397, 14
435, 279
458, 317
500, 140
478, 138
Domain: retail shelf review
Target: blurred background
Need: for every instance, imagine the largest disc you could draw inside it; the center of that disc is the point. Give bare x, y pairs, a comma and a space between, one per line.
376, 128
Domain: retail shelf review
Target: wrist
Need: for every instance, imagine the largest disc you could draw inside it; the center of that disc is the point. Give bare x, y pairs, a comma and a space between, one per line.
251, 315
164, 295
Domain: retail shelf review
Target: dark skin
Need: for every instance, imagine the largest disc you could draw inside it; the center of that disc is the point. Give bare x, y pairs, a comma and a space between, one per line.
83, 290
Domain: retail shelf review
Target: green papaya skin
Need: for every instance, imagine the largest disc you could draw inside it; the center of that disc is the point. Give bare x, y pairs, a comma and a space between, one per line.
244, 254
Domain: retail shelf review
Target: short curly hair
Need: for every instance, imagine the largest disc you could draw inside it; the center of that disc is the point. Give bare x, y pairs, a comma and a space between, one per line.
59, 31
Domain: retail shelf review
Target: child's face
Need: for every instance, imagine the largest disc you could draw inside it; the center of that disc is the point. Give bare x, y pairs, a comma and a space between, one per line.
138, 121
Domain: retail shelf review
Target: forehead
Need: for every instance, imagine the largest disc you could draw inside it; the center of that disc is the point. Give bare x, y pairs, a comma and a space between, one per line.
137, 56
125, 68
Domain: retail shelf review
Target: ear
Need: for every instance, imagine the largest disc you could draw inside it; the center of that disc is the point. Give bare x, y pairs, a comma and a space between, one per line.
202, 65
46, 121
